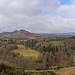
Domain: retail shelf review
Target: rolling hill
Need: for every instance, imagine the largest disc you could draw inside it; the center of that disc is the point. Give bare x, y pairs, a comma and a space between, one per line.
26, 34
15, 34
21, 34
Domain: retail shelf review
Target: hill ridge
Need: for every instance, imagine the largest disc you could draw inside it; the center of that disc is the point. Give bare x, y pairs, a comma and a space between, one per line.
16, 33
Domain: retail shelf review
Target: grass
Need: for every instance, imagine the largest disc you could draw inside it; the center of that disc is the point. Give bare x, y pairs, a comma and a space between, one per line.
58, 42
27, 52
9, 35
7, 63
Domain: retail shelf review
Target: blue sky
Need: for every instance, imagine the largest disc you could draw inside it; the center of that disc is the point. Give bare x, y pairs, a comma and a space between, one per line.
40, 16
65, 2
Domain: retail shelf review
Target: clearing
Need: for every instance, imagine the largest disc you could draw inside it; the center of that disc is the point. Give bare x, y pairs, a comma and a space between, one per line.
58, 42
27, 52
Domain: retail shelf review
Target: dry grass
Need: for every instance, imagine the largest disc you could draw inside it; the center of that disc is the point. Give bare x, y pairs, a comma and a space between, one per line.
66, 71
27, 52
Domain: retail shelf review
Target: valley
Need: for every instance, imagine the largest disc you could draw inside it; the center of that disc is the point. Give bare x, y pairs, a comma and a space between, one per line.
35, 54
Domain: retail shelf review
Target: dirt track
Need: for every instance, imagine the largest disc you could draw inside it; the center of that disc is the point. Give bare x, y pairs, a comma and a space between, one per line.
66, 71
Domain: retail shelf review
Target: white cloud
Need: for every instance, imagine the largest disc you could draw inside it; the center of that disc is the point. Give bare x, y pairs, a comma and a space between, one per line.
36, 16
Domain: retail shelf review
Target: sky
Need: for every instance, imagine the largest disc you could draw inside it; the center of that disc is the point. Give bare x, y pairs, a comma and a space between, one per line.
38, 16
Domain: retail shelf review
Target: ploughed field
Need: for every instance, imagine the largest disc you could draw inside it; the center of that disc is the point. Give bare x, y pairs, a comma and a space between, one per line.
27, 52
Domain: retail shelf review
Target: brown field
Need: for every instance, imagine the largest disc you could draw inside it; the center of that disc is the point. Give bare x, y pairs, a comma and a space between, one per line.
27, 36
66, 71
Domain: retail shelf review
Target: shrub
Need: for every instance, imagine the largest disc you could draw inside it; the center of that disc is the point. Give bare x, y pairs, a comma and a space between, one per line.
11, 46
60, 67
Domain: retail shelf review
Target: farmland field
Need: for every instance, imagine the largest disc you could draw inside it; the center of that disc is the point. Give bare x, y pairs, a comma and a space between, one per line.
27, 52
57, 42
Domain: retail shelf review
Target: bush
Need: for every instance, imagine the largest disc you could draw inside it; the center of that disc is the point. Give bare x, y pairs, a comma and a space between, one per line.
60, 67
11, 46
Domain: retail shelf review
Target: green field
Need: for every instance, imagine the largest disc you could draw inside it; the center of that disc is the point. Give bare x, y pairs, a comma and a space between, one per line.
27, 52
57, 42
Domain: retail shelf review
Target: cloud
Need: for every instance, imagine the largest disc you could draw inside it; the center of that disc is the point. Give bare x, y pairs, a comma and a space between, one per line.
36, 16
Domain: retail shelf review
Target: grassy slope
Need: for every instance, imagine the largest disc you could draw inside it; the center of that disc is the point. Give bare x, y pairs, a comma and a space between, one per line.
29, 52
66, 71
58, 42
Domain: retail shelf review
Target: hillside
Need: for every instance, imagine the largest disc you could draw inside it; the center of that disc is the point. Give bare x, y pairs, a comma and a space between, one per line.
21, 34
17, 32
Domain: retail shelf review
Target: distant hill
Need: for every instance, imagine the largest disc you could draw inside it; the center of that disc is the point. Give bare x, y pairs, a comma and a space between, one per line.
25, 34
16, 33
59, 34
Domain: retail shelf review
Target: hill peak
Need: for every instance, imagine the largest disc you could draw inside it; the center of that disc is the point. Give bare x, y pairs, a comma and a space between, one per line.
16, 33
22, 30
